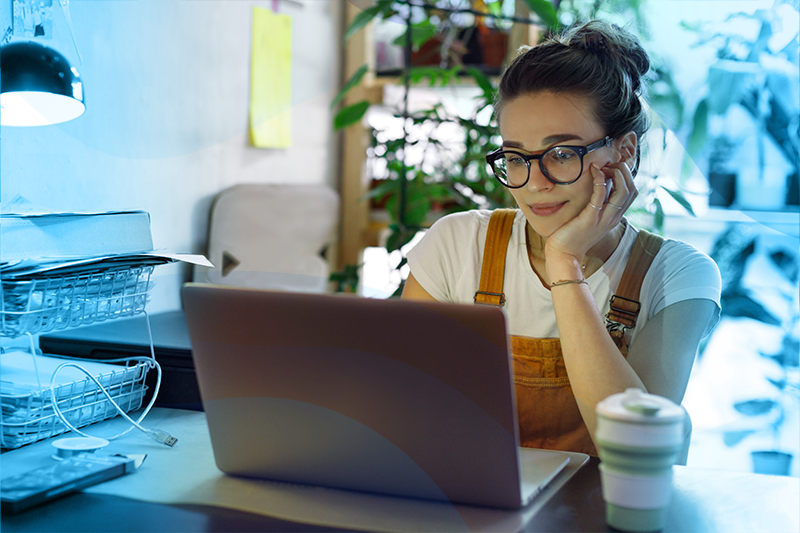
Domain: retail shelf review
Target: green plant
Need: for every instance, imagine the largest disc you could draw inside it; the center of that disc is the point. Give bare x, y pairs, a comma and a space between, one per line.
445, 179
445, 176
755, 73
345, 280
434, 20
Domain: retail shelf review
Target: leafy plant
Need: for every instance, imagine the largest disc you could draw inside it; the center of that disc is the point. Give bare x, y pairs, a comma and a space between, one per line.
444, 178
751, 72
422, 31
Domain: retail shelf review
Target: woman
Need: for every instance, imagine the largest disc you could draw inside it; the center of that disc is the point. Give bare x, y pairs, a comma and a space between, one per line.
571, 118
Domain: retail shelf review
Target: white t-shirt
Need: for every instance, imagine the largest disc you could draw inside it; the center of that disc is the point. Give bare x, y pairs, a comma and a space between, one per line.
447, 264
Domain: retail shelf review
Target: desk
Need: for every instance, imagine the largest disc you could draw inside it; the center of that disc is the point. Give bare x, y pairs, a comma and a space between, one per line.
179, 490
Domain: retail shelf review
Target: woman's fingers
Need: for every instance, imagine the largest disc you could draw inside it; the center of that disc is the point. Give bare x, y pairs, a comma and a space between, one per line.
601, 185
624, 190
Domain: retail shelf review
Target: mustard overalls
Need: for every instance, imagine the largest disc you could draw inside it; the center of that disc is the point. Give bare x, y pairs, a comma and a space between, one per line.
547, 412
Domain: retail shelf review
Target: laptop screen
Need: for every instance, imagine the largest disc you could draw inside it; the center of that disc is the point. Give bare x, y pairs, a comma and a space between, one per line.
394, 396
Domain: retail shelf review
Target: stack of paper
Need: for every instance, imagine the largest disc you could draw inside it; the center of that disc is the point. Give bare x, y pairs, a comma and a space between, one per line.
38, 242
62, 269
73, 234
27, 412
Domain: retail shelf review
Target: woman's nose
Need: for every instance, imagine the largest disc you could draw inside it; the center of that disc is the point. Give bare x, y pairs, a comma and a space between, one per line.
537, 181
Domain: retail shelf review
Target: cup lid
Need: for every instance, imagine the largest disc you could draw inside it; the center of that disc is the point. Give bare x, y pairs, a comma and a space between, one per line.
638, 406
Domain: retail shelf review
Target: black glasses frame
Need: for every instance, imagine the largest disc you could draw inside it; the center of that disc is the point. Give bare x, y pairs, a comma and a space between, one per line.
580, 150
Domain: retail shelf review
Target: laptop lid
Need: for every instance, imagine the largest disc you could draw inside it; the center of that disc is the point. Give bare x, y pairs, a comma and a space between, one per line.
389, 396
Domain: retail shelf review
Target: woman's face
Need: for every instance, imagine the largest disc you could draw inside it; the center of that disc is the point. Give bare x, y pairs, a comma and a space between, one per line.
531, 124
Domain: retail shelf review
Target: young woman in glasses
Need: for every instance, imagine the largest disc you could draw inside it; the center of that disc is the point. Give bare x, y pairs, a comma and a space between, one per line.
572, 120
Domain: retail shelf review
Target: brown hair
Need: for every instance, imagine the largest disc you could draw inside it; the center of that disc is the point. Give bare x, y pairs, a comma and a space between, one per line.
598, 60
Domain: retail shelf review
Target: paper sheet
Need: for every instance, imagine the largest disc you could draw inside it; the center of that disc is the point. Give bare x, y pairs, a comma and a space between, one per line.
271, 80
19, 372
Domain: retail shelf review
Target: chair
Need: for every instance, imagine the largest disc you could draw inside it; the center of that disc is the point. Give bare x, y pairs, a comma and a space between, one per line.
271, 237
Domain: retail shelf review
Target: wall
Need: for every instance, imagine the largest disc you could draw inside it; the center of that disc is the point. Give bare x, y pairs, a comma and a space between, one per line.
167, 94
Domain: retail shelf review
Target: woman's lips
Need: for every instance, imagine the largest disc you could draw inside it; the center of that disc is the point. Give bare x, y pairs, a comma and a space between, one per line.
545, 210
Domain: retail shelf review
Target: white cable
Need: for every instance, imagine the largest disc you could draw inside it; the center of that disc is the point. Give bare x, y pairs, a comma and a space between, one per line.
65, 9
158, 435
33, 355
105, 392
161, 436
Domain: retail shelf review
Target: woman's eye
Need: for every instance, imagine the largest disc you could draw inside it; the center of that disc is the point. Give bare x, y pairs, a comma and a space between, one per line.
514, 160
561, 154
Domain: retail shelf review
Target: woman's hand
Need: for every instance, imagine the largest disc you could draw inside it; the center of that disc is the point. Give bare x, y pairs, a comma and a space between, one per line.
613, 192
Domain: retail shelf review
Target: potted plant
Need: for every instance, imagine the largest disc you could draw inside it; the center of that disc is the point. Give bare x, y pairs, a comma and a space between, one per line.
415, 192
775, 459
773, 394
751, 102
721, 173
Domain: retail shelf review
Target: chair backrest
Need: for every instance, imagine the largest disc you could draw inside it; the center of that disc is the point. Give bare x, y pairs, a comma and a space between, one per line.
271, 237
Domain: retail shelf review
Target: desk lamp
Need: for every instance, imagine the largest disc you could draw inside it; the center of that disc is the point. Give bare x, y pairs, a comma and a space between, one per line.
37, 86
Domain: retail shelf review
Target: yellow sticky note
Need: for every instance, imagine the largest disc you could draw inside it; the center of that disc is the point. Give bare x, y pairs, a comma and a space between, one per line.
271, 80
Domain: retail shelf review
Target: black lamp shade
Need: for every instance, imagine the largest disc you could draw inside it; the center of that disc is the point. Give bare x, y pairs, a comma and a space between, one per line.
37, 86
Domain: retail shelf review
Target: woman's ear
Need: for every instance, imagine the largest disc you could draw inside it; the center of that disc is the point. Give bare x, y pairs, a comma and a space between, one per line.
626, 146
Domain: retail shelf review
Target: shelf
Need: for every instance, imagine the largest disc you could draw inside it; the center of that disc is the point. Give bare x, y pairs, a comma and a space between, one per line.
396, 73
786, 221
359, 227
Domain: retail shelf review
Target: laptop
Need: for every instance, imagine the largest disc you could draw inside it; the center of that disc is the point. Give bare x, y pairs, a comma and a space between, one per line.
387, 396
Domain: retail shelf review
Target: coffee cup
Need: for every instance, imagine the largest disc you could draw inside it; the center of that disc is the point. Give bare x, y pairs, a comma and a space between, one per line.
639, 438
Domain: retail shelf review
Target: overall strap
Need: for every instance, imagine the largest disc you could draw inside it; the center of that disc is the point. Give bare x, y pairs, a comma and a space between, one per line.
624, 306
493, 268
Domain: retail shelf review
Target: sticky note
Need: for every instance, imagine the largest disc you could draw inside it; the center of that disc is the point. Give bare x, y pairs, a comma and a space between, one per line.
271, 80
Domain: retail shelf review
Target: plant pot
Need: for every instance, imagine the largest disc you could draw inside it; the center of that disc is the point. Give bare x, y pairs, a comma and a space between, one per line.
723, 189
771, 462
429, 53
378, 202
766, 191
495, 47
793, 190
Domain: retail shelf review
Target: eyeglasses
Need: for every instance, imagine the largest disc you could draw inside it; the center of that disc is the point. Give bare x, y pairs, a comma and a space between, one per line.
560, 164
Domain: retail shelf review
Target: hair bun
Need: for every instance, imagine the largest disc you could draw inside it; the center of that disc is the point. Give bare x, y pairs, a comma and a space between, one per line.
595, 43
611, 42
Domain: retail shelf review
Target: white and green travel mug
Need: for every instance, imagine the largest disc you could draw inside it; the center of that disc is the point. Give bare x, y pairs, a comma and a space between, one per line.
639, 438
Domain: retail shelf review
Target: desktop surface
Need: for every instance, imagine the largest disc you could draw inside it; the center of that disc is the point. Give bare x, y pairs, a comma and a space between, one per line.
179, 490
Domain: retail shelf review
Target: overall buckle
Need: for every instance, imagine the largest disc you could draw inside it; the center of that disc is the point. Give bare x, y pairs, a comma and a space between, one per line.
500, 295
622, 313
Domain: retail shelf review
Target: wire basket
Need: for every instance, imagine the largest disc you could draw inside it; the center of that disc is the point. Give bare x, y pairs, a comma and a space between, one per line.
42, 304
45, 304
29, 417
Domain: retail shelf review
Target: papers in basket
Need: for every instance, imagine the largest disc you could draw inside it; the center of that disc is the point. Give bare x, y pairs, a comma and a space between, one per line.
20, 370
26, 410
39, 241
70, 266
